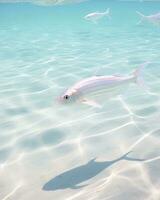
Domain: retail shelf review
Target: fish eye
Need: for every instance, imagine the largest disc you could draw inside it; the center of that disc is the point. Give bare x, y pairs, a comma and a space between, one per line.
66, 97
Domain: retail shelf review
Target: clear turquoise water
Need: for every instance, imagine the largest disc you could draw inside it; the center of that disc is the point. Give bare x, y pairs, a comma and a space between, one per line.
43, 51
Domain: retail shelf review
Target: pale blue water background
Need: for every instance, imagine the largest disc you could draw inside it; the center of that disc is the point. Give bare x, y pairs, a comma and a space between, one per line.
43, 51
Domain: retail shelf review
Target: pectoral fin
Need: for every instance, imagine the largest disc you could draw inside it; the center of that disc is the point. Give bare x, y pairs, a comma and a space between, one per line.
91, 103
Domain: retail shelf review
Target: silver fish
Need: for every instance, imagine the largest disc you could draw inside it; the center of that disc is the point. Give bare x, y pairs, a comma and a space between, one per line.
154, 19
99, 84
95, 16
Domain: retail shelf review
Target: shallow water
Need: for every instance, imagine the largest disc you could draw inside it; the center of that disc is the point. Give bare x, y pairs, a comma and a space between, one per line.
45, 50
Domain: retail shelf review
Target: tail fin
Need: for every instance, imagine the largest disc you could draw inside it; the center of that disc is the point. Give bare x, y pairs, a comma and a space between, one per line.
107, 12
138, 75
143, 17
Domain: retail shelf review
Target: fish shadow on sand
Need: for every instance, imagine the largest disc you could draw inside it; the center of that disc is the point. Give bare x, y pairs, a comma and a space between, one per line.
74, 177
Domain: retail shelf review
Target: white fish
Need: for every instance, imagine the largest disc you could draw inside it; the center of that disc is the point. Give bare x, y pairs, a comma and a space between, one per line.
95, 16
99, 84
154, 19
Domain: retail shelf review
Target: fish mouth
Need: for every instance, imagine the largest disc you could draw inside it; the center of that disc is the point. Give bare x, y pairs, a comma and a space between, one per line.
60, 100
